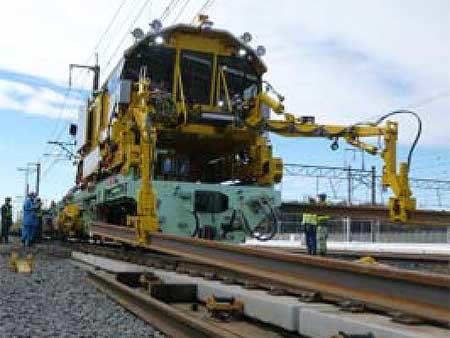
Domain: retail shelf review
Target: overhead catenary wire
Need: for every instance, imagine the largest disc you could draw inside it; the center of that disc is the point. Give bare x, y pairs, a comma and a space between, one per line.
59, 127
108, 27
99, 41
69, 90
58, 119
119, 31
48, 169
181, 11
168, 10
103, 35
434, 165
166, 13
57, 130
430, 99
206, 6
122, 40
59, 186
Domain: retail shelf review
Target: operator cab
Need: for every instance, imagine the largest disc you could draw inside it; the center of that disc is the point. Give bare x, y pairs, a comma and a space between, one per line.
203, 83
204, 74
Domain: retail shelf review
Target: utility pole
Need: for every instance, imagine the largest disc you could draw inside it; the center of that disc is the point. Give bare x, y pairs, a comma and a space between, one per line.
354, 151
38, 178
363, 162
373, 185
66, 150
38, 175
95, 69
26, 170
347, 228
349, 185
18, 202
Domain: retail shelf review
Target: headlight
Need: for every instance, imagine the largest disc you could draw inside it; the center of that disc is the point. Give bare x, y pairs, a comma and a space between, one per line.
242, 52
159, 40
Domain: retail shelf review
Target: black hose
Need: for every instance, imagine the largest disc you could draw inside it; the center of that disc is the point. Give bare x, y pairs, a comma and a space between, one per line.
262, 237
197, 224
377, 122
419, 129
230, 227
273, 229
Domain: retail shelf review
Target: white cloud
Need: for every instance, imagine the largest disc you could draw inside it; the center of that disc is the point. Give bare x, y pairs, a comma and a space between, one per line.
344, 61
341, 61
33, 100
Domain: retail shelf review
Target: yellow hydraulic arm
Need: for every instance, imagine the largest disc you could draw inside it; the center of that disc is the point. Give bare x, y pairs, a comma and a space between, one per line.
402, 202
146, 220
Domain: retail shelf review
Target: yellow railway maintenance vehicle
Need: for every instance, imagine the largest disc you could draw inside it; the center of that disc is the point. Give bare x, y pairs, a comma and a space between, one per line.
176, 140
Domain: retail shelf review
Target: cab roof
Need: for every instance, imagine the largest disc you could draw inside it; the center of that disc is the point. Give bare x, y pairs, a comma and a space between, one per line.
223, 35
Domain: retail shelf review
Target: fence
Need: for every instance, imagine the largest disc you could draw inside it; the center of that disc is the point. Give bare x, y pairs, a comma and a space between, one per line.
344, 230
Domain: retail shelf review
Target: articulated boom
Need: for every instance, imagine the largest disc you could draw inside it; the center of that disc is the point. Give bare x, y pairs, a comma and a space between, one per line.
402, 202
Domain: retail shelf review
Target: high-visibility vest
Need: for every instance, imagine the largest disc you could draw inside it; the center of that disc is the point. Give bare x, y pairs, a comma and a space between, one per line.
322, 218
309, 219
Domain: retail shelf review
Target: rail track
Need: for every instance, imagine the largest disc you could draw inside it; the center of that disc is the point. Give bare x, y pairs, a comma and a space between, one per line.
173, 322
387, 289
176, 313
433, 258
436, 263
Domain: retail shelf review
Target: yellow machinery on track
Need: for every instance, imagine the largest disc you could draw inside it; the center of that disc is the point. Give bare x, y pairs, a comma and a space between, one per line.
177, 140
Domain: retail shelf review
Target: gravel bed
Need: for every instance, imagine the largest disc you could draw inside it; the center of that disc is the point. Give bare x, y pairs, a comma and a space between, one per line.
57, 300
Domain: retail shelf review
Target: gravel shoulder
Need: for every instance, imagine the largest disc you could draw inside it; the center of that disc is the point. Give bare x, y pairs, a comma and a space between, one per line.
57, 300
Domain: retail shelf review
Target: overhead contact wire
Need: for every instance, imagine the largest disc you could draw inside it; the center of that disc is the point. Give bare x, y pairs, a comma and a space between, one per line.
138, 15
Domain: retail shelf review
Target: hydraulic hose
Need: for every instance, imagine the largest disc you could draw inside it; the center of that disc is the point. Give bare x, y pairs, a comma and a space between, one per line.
399, 112
197, 224
418, 133
266, 236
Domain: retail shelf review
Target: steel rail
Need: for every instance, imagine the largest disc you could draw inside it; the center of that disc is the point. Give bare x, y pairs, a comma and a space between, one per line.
383, 255
411, 257
164, 317
424, 295
418, 217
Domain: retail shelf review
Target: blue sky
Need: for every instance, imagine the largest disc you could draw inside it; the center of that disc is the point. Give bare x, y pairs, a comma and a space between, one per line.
24, 133
342, 63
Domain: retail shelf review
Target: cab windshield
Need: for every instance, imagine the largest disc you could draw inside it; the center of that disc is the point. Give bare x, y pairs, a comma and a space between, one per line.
240, 76
159, 63
196, 73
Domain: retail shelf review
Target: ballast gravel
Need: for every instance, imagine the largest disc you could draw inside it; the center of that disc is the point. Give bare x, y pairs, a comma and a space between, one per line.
57, 300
